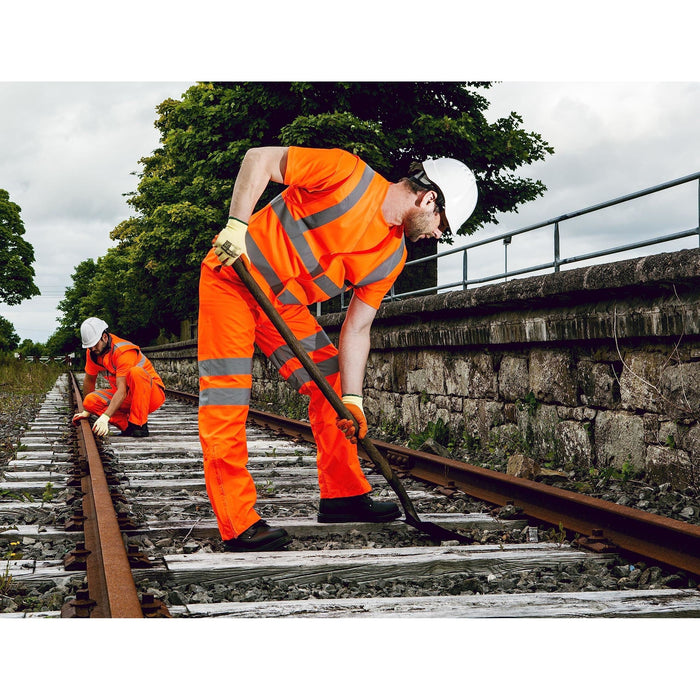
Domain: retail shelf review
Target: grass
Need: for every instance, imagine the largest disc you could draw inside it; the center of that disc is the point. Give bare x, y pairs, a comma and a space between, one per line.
23, 382
25, 378
23, 387
5, 580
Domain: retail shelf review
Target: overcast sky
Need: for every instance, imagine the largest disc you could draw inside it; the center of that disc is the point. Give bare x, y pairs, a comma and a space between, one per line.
620, 108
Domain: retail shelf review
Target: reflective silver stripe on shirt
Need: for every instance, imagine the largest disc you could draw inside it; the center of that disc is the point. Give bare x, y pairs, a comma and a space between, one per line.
384, 269
224, 397
223, 366
261, 263
295, 230
288, 298
139, 363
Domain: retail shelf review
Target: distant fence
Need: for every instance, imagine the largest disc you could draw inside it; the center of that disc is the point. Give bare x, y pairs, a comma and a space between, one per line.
45, 359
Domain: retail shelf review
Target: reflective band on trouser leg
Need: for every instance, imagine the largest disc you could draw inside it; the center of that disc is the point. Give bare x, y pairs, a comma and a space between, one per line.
339, 471
97, 401
144, 395
226, 328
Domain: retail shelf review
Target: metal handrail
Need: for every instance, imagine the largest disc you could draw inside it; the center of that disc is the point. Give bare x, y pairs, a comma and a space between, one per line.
558, 261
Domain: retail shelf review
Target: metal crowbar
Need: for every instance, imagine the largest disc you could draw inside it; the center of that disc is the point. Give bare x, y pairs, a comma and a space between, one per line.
434, 531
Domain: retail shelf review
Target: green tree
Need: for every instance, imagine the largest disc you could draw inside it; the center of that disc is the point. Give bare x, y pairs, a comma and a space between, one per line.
106, 289
63, 342
16, 255
29, 348
9, 340
184, 190
74, 310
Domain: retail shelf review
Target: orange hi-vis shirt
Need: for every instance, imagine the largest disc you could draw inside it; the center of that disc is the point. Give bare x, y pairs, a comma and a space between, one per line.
325, 233
118, 360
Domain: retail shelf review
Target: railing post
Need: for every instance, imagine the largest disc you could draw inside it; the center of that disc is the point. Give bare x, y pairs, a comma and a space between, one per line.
465, 275
556, 246
699, 212
506, 243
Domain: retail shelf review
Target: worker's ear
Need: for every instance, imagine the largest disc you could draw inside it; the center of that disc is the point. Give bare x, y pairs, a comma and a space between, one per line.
426, 199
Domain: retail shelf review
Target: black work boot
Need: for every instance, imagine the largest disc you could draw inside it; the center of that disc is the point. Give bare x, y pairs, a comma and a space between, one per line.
356, 509
259, 537
133, 430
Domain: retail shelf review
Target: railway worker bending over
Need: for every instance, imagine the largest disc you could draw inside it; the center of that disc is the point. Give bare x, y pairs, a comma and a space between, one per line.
135, 388
338, 225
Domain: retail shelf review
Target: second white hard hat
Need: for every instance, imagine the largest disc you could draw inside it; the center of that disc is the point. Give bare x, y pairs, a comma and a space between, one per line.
457, 185
91, 331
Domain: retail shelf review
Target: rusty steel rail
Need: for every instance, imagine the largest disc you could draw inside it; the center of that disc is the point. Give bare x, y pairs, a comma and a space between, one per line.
110, 582
602, 523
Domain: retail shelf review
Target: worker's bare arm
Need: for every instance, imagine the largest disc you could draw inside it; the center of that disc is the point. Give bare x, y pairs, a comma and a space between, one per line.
117, 398
260, 166
89, 382
354, 345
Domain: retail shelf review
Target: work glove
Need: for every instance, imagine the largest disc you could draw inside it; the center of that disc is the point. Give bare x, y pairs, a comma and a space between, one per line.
229, 245
80, 416
354, 404
101, 426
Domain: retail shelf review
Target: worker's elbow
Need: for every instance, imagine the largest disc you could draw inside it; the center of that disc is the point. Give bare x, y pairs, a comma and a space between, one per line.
268, 161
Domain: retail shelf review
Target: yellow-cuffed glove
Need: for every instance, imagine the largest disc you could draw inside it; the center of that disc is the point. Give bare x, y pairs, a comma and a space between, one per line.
354, 404
101, 426
80, 416
229, 245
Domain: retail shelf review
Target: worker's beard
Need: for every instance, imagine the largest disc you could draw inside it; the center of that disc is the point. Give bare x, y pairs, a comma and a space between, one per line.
419, 224
96, 355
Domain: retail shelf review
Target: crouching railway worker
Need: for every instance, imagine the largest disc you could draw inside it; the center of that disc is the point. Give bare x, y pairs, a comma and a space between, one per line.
135, 388
338, 225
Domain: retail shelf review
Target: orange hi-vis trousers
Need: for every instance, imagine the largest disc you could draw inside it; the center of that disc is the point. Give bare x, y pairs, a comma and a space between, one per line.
143, 396
230, 323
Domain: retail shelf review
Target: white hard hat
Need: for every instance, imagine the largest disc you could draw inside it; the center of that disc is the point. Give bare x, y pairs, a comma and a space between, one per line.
457, 186
91, 331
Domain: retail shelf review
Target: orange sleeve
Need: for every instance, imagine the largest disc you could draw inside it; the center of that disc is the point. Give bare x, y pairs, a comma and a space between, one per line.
373, 294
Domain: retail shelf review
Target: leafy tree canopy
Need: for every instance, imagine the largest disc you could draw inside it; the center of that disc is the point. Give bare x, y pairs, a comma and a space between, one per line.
9, 340
148, 283
16, 255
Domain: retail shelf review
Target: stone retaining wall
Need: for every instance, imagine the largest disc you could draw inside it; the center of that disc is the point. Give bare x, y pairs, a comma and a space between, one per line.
597, 367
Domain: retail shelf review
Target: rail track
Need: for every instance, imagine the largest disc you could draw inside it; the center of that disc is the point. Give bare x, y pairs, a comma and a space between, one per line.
123, 528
